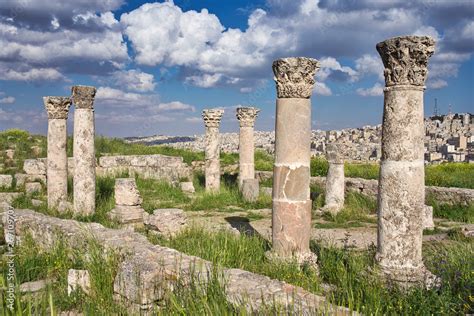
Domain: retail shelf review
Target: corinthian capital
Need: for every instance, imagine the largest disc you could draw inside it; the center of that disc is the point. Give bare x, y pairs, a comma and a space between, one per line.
212, 117
57, 107
83, 97
294, 76
247, 116
406, 59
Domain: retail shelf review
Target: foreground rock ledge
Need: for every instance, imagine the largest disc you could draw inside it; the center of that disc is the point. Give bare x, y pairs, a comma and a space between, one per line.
147, 269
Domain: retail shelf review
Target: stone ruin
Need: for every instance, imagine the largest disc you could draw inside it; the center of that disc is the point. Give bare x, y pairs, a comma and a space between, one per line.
402, 215
335, 184
212, 119
291, 217
128, 203
402, 174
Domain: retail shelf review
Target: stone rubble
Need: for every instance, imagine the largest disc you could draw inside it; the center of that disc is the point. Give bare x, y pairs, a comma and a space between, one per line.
166, 222
33, 187
6, 181
78, 279
147, 270
128, 209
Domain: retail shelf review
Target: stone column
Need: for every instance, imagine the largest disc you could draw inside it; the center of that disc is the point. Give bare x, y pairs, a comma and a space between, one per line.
57, 108
84, 151
212, 120
291, 216
402, 174
246, 117
335, 186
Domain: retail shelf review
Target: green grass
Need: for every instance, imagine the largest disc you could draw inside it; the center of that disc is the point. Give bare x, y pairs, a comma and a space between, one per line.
453, 212
263, 161
348, 270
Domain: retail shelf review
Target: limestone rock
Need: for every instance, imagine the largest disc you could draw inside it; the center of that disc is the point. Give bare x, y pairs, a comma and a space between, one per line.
78, 279
428, 222
167, 222
22, 178
8, 197
126, 192
36, 203
6, 180
34, 166
250, 190
65, 206
10, 154
128, 214
33, 187
187, 187
34, 286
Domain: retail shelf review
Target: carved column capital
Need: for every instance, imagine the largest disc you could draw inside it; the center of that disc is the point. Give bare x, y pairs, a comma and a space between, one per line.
294, 76
212, 117
405, 59
247, 116
83, 97
57, 107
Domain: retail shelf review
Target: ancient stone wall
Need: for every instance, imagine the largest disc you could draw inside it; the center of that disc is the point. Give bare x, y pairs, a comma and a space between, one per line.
148, 166
370, 188
146, 270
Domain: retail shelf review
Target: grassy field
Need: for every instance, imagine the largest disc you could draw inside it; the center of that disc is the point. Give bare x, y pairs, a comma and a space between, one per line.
448, 175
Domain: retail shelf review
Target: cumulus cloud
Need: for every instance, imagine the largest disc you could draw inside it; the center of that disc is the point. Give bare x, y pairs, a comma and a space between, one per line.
47, 40
375, 91
436, 84
175, 106
134, 80
7, 100
321, 88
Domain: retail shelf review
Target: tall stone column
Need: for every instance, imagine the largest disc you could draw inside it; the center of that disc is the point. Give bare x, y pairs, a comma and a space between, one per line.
291, 216
57, 108
84, 151
246, 117
402, 174
212, 120
335, 186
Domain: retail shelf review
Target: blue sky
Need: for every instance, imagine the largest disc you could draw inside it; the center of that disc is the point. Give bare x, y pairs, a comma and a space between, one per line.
158, 64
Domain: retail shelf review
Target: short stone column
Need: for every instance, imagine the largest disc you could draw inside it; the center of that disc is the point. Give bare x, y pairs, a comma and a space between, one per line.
56, 170
335, 185
246, 117
401, 196
212, 120
291, 216
83, 150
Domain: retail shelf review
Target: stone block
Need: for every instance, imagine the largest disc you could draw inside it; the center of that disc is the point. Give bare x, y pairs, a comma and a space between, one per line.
22, 178
8, 197
126, 192
6, 181
187, 187
35, 166
167, 222
250, 190
78, 279
428, 222
128, 214
33, 187
34, 286
10, 154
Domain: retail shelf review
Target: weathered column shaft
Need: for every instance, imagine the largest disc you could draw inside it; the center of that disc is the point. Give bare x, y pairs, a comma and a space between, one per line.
335, 185
84, 151
212, 120
401, 185
291, 216
57, 108
246, 117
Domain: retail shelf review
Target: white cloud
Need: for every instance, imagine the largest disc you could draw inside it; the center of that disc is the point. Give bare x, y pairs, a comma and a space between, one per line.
117, 98
134, 80
369, 65
7, 100
205, 80
194, 119
175, 106
36, 74
436, 84
321, 88
375, 91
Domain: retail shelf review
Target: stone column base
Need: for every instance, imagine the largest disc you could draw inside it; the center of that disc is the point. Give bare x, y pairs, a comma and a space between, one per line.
406, 278
309, 259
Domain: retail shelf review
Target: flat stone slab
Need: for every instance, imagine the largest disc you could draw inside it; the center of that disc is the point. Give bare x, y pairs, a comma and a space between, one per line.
147, 269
